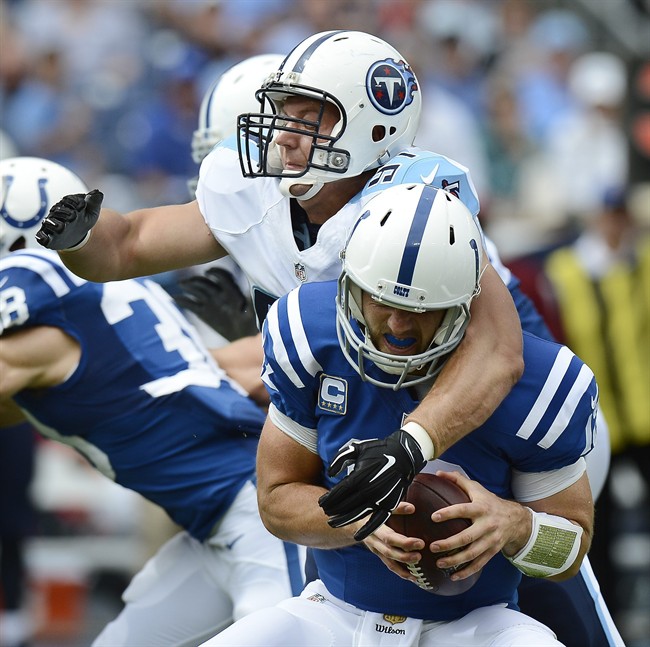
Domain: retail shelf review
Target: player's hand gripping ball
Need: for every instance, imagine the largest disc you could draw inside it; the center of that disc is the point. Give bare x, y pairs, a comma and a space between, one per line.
429, 493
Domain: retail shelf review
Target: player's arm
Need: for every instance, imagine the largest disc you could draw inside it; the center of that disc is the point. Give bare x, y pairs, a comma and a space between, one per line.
479, 373
38, 357
104, 245
544, 538
289, 480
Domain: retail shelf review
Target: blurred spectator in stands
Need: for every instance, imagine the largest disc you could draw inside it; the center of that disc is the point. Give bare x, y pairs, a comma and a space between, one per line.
301, 18
556, 38
507, 148
587, 148
154, 132
462, 34
41, 114
100, 42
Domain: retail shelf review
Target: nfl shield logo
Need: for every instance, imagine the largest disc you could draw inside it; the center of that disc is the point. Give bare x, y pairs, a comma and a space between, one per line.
301, 273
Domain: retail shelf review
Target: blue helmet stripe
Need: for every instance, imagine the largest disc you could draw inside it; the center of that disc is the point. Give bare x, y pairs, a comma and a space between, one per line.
414, 239
306, 55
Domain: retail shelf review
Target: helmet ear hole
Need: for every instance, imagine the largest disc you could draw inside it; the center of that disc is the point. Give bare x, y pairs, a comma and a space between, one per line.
19, 243
378, 133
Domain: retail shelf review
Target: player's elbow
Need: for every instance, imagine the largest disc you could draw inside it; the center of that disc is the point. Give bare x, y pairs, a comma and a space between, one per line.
271, 516
569, 572
84, 269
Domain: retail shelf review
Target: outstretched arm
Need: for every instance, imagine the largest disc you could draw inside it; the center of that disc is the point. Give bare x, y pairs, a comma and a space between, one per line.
139, 243
479, 373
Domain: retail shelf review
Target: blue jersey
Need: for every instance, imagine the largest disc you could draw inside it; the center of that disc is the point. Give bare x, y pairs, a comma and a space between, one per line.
545, 423
146, 405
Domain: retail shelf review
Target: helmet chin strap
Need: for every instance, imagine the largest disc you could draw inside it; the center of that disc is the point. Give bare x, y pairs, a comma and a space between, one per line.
286, 184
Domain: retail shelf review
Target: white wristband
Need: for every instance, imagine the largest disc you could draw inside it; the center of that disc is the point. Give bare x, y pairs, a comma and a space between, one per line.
552, 547
420, 435
79, 245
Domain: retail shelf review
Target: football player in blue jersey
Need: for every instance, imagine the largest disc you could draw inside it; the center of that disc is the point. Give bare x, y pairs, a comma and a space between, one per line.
115, 371
321, 146
345, 362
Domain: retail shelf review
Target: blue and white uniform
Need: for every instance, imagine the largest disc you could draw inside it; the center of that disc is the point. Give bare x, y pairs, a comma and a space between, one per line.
546, 423
148, 406
251, 219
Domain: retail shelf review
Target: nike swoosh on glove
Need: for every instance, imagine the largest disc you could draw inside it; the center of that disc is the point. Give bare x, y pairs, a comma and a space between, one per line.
383, 470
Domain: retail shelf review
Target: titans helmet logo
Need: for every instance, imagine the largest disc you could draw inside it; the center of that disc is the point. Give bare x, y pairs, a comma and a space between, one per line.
390, 85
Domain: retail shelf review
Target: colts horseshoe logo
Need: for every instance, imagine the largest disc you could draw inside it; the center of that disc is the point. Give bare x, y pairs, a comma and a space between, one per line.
30, 222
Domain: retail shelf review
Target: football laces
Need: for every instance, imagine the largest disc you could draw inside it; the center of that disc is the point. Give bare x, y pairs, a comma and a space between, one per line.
422, 581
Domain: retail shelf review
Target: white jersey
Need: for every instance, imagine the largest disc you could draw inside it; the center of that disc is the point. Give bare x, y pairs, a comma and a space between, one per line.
251, 218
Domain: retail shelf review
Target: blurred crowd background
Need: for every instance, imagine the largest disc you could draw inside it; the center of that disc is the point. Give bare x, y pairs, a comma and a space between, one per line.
546, 102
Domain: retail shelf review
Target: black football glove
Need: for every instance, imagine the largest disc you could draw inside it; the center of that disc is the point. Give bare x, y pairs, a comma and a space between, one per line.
216, 299
69, 220
383, 471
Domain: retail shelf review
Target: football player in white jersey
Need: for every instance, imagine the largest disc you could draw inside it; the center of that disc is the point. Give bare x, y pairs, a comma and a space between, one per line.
341, 354
115, 371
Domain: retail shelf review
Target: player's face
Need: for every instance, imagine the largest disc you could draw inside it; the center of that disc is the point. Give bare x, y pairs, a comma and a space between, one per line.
295, 148
399, 332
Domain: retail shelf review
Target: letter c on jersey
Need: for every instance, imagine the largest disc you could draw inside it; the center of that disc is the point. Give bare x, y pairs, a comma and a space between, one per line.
333, 394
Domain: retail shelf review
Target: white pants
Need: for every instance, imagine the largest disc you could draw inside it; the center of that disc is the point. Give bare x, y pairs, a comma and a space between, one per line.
318, 619
191, 590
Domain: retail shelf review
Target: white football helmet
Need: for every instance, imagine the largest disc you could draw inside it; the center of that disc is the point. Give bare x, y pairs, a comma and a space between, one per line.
374, 89
230, 95
30, 187
416, 248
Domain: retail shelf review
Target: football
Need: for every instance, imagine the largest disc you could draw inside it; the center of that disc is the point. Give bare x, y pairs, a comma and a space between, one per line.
429, 493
